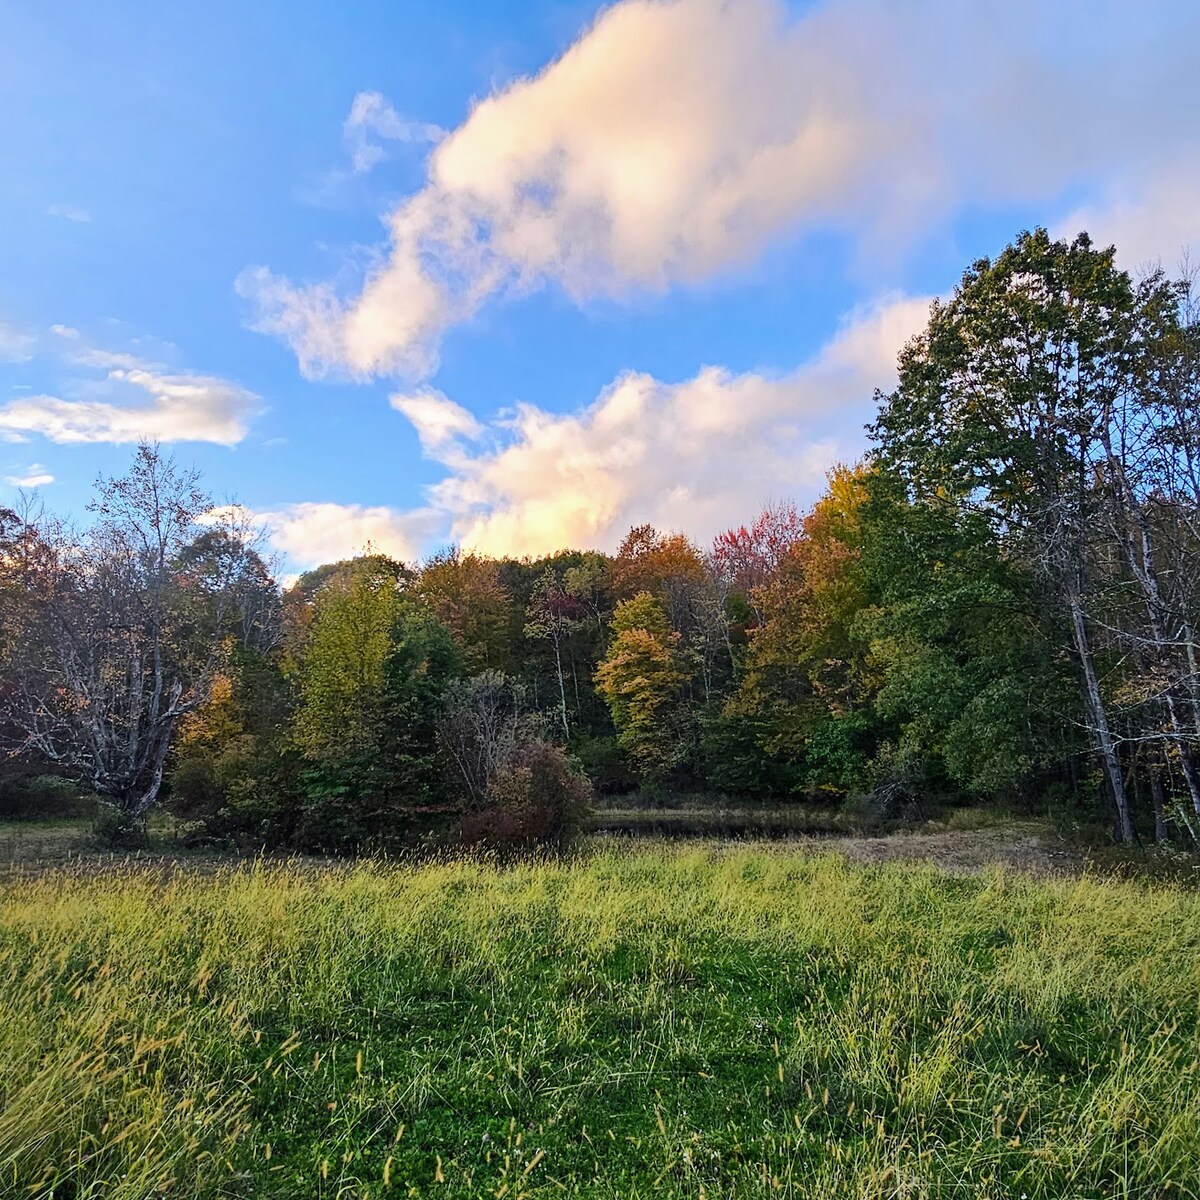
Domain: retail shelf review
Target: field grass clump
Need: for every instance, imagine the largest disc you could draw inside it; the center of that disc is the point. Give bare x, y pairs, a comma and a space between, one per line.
668, 1022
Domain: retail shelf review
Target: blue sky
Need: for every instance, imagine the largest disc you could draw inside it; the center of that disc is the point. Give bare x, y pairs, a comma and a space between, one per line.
520, 275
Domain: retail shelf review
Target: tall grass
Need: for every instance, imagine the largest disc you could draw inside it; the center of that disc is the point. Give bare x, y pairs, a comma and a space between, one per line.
664, 1023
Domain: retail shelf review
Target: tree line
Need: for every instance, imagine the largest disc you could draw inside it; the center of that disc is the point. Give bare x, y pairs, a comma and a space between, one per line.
998, 604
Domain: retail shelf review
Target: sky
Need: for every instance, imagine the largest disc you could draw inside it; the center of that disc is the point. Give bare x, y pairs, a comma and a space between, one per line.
517, 276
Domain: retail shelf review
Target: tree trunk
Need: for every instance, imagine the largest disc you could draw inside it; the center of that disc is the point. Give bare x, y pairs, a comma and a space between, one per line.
562, 690
1098, 726
1162, 827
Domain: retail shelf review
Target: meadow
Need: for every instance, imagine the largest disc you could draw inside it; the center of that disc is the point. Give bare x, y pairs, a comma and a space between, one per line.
666, 1021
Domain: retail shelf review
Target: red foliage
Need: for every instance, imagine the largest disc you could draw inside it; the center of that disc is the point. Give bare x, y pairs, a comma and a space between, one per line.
748, 557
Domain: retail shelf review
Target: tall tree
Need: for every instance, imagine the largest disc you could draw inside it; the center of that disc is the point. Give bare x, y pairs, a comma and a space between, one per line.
805, 666
553, 615
1003, 406
372, 681
748, 556
466, 593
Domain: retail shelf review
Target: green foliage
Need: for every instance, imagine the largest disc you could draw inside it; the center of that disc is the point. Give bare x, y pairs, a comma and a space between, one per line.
641, 680
25, 796
342, 681
738, 1022
1017, 374
382, 664
604, 762
732, 748
840, 752
970, 675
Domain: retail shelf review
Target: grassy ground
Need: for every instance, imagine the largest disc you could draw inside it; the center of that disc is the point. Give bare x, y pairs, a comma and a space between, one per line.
67, 840
665, 1021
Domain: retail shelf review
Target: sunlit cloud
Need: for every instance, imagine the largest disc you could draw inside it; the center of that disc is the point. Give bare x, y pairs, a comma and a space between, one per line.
690, 456
677, 140
180, 407
311, 533
441, 424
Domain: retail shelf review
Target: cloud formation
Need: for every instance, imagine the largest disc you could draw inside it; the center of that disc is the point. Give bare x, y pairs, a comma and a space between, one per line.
181, 407
691, 456
69, 212
372, 117
441, 424
32, 476
313, 533
678, 138
1153, 220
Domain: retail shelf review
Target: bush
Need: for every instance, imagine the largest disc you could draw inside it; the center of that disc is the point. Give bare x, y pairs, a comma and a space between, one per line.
117, 830
41, 798
890, 802
196, 793
735, 760
247, 794
539, 798
604, 763
198, 835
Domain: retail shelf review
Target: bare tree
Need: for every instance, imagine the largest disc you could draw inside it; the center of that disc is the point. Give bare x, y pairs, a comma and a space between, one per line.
119, 637
483, 724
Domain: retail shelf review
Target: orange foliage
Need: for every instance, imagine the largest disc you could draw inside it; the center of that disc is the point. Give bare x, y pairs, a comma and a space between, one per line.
649, 561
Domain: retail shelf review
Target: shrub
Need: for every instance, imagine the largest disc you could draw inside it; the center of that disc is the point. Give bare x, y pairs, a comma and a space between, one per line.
248, 793
539, 798
604, 763
30, 797
118, 830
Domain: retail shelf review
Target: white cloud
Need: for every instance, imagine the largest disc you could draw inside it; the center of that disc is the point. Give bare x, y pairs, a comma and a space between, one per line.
678, 138
312, 533
371, 116
439, 422
182, 407
32, 476
16, 345
109, 360
692, 456
69, 212
65, 331
1153, 220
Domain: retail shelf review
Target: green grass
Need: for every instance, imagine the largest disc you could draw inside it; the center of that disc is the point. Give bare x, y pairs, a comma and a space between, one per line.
663, 1022
39, 842
43, 841
722, 820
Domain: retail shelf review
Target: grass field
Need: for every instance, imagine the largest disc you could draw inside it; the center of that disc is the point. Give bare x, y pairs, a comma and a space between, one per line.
667, 1022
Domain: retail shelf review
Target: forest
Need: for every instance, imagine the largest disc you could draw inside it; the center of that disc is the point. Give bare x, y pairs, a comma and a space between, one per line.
996, 606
